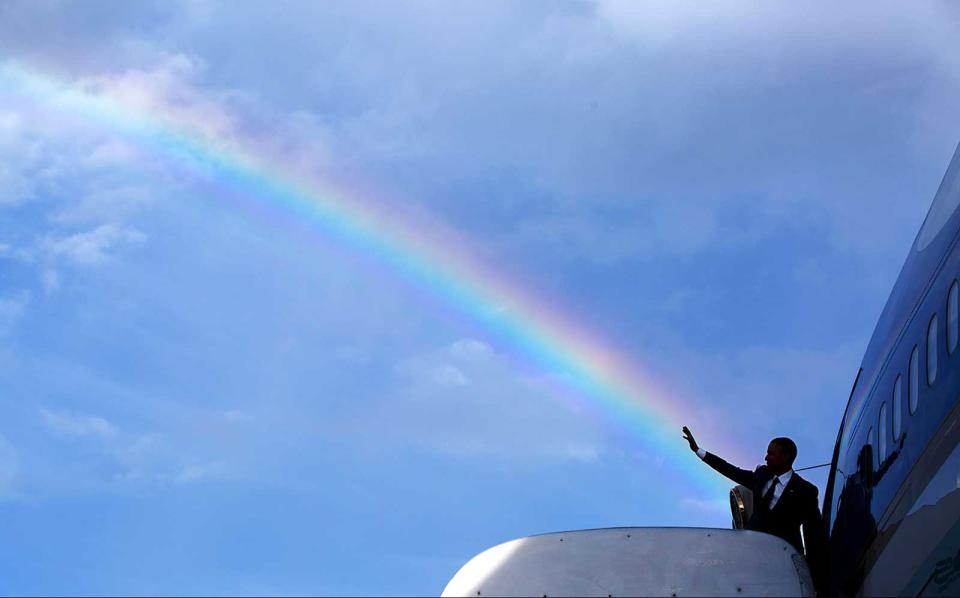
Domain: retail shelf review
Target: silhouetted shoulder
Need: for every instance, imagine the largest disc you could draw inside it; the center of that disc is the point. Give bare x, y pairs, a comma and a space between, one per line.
805, 486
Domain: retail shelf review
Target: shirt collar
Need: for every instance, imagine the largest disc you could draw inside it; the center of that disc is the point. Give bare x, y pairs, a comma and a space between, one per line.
785, 477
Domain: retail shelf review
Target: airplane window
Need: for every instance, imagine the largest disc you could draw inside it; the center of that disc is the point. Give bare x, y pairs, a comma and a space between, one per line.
882, 431
874, 443
914, 379
932, 351
953, 306
897, 407
871, 444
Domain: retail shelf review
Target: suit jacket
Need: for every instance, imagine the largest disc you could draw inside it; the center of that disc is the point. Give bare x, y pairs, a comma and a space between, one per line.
797, 505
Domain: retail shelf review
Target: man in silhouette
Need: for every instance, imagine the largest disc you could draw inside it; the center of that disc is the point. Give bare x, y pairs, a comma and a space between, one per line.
782, 500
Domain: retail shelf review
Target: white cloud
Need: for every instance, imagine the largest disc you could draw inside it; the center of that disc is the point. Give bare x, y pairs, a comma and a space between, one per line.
448, 375
12, 309
91, 247
157, 459
113, 153
467, 400
197, 473
448, 367
630, 103
581, 452
15, 187
8, 251
172, 92
470, 349
72, 424
429, 373
680, 22
166, 92
113, 202
465, 117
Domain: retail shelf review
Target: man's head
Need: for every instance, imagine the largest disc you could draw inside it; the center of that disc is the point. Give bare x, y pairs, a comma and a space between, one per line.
780, 455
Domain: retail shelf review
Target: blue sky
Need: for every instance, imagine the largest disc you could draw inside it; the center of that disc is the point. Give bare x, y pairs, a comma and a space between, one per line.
198, 399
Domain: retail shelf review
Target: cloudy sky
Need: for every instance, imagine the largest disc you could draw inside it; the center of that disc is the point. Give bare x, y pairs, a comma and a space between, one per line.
201, 393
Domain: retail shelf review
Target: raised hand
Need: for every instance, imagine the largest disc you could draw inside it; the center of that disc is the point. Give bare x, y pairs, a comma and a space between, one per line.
688, 436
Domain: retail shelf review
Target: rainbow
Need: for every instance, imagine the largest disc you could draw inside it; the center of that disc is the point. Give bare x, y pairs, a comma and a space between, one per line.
603, 380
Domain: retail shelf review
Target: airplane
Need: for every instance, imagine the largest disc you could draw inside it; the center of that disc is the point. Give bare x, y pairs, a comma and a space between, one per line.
891, 509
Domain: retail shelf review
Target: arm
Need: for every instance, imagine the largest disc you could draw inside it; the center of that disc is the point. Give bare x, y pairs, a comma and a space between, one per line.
812, 521
815, 540
740, 476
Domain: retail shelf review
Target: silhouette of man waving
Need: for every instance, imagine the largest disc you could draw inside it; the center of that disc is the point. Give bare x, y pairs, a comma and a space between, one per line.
782, 500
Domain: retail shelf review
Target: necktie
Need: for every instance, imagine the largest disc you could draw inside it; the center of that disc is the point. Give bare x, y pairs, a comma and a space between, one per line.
768, 497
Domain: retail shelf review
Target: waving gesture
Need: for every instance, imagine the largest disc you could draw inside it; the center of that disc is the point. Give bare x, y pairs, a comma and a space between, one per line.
688, 436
